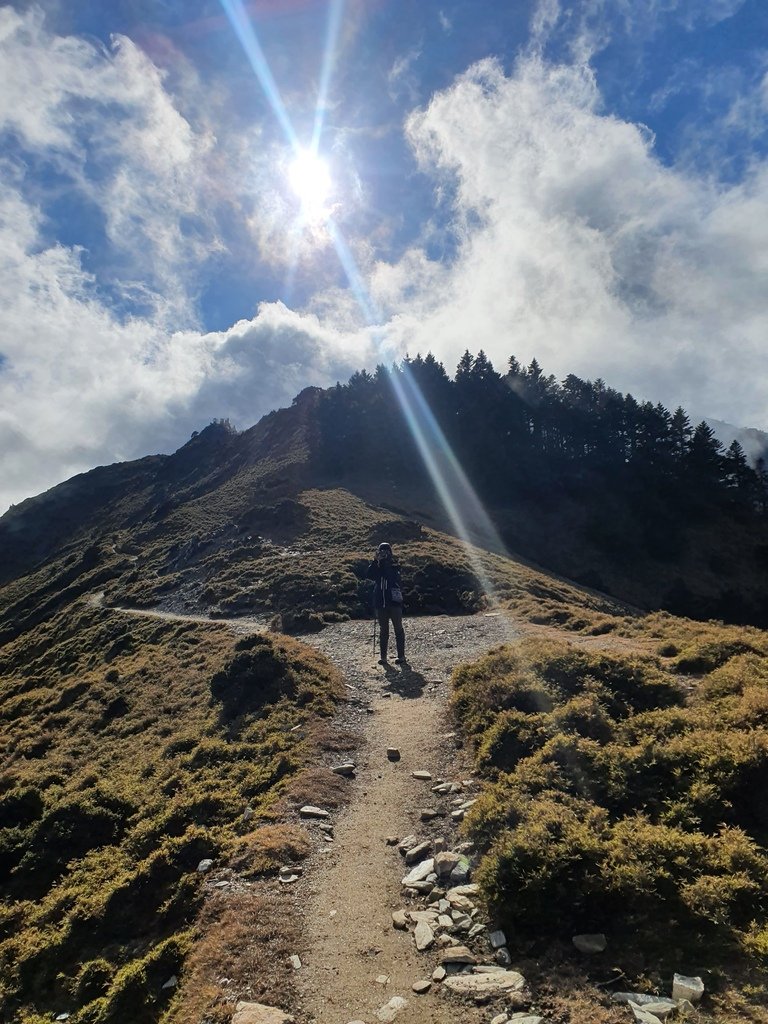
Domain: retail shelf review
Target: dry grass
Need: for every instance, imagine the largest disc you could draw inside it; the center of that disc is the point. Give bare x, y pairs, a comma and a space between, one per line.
244, 941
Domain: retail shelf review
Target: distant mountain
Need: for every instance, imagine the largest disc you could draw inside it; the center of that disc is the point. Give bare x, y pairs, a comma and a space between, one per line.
754, 442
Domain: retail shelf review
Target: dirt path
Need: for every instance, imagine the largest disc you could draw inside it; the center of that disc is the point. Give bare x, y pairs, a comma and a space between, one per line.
351, 893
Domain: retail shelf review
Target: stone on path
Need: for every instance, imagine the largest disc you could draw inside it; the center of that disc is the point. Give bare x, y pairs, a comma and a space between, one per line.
423, 776
399, 920
382, 979
347, 769
205, 865
458, 955
421, 987
485, 984
390, 1010
308, 811
417, 853
419, 872
590, 943
687, 988
258, 1013
497, 939
526, 1018
445, 863
407, 843
393, 754
429, 814
393, 840
424, 936
295, 961
500, 1018
438, 974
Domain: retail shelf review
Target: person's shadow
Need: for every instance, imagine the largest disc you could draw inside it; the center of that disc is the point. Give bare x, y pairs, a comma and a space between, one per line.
404, 681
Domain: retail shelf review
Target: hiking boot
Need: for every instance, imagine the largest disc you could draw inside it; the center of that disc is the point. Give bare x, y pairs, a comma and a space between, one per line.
383, 661
401, 661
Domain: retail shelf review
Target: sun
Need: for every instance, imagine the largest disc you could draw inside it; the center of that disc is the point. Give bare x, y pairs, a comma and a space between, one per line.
310, 178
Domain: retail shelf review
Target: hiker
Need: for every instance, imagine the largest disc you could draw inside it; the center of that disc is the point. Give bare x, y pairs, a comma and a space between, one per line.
388, 601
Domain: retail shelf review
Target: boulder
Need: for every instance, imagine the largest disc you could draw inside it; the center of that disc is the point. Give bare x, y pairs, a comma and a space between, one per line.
489, 983
687, 988
258, 1013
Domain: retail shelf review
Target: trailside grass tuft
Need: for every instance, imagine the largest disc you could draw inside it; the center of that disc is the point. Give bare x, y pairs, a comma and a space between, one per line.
131, 750
619, 800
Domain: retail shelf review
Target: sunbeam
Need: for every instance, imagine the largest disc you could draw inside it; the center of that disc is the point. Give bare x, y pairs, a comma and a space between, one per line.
246, 33
335, 13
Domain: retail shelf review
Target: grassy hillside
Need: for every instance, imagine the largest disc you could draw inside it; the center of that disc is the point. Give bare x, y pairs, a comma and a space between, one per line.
626, 796
132, 749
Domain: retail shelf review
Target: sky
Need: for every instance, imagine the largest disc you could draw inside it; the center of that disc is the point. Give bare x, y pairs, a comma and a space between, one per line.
207, 205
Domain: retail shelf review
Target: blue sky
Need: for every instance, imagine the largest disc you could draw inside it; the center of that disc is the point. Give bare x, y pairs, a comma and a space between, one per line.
582, 182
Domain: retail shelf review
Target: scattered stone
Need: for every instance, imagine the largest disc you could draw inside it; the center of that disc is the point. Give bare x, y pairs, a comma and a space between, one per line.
488, 983
447, 940
430, 916
444, 921
421, 987
590, 943
390, 1010
475, 930
248, 814
172, 982
295, 961
393, 840
461, 872
62, 1016
459, 902
462, 921
500, 1018
382, 979
425, 887
290, 869
407, 844
325, 826
687, 988
440, 845
526, 1018
457, 815
445, 863
438, 974
258, 1013
204, 865
641, 998
419, 872
287, 879
423, 776
399, 920
347, 769
503, 957
458, 955
393, 754
308, 811
417, 853
642, 1015
223, 884
662, 1008
429, 814
424, 936
497, 939
485, 968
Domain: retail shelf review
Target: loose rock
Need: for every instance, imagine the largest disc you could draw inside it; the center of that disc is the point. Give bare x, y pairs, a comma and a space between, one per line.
417, 853
347, 769
407, 844
503, 957
308, 811
423, 776
429, 814
642, 1015
421, 987
485, 984
687, 988
438, 974
590, 943
393, 840
423, 936
497, 939
445, 863
390, 1010
458, 955
399, 920
419, 872
295, 962
172, 982
393, 754
205, 865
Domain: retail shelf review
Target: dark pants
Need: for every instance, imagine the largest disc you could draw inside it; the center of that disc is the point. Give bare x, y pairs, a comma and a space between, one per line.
394, 612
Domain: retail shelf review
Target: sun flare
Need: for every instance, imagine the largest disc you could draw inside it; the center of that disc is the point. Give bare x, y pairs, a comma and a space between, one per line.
310, 179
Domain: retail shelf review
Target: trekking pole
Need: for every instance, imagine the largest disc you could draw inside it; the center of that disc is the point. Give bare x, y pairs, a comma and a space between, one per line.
374, 632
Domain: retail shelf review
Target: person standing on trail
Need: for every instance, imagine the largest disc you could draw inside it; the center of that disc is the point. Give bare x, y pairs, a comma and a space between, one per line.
388, 601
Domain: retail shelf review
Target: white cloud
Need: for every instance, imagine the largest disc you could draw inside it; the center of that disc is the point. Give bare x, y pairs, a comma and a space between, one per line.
579, 247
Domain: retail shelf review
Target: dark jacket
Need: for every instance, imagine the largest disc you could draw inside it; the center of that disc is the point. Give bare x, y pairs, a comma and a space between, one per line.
385, 576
